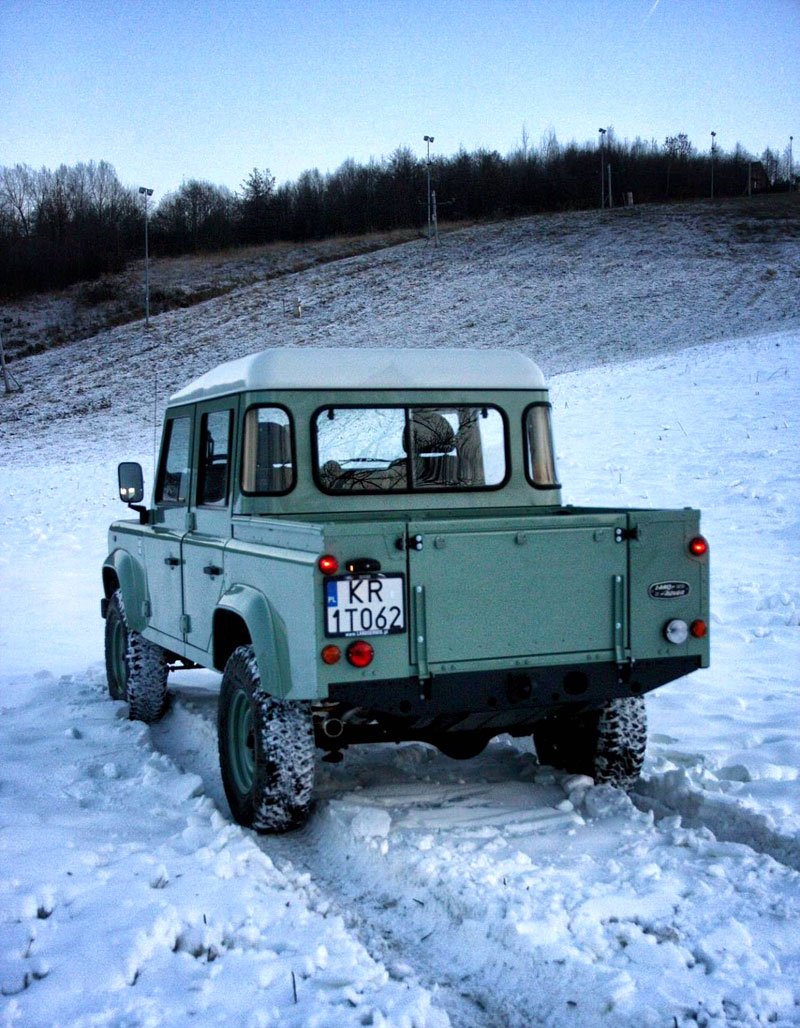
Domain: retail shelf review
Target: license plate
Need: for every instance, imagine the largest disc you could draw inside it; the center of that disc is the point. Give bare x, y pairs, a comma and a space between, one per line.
364, 605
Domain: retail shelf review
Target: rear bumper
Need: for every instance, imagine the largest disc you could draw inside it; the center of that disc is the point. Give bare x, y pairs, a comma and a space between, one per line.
503, 700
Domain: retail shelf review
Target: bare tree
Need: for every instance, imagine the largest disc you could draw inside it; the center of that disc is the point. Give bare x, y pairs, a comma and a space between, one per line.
18, 195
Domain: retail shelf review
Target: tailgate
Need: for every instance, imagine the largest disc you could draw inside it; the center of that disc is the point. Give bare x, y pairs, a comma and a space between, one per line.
554, 589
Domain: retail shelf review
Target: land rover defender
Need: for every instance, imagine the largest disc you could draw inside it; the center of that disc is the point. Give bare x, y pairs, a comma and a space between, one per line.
370, 545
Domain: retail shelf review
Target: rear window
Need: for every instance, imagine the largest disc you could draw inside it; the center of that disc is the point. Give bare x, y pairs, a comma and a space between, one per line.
214, 464
409, 449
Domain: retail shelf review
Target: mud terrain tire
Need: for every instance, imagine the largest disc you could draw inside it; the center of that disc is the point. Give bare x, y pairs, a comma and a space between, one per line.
607, 744
135, 668
266, 750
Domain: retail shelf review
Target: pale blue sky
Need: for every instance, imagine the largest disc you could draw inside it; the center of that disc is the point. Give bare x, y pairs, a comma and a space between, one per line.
181, 89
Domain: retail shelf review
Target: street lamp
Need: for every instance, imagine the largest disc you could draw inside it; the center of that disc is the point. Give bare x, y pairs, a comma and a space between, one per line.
602, 132
146, 193
429, 140
791, 164
713, 147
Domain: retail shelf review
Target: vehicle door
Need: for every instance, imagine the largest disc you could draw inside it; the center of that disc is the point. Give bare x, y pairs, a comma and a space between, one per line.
163, 546
210, 523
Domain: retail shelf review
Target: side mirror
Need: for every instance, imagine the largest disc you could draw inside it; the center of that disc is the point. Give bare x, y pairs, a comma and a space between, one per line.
131, 482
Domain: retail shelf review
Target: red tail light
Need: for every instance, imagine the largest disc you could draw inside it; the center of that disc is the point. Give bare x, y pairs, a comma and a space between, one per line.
699, 629
328, 565
360, 653
698, 546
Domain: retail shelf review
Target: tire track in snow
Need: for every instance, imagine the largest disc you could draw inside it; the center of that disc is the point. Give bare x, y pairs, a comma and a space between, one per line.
671, 794
189, 737
383, 882
469, 880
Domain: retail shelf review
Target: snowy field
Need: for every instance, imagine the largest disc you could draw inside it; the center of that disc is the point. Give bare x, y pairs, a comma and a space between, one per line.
424, 892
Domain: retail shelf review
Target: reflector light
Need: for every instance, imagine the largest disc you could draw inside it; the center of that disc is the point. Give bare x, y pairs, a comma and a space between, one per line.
331, 655
676, 631
699, 629
328, 565
698, 546
360, 653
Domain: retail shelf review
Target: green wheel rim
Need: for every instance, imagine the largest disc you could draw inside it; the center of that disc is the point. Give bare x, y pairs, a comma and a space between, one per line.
119, 652
241, 743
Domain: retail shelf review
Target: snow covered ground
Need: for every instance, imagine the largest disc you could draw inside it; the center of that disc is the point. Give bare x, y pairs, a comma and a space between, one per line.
424, 891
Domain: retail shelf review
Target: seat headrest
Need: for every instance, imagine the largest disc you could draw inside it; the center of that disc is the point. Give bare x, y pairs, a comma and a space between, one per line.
432, 433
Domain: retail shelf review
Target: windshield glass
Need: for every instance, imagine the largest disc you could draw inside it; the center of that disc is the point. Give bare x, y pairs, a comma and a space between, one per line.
409, 449
541, 461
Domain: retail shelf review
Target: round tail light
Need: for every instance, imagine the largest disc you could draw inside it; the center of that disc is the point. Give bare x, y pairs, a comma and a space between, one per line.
698, 546
360, 653
331, 655
699, 629
676, 631
328, 565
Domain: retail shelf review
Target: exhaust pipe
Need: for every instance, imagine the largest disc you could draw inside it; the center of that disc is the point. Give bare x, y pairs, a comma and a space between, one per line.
333, 727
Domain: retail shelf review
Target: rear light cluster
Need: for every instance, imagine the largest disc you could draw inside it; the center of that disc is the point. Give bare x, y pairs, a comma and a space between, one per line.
359, 653
677, 631
698, 547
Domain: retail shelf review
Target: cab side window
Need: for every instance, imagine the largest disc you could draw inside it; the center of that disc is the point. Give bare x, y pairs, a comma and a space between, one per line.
267, 464
175, 471
214, 469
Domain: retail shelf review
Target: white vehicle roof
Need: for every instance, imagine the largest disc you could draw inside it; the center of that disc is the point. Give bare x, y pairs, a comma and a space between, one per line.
306, 367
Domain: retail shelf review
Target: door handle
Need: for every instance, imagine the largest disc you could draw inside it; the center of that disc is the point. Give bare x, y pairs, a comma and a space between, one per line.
212, 570
173, 562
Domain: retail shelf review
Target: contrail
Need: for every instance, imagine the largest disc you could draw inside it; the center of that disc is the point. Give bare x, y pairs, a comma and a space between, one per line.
652, 10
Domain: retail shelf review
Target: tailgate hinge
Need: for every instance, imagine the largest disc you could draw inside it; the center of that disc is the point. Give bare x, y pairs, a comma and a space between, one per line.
186, 624
420, 637
619, 618
621, 534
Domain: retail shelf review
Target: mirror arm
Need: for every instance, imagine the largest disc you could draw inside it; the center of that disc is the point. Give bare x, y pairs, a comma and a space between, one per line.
143, 512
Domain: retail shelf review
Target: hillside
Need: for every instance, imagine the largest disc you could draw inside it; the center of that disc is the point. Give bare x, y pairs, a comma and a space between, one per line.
572, 290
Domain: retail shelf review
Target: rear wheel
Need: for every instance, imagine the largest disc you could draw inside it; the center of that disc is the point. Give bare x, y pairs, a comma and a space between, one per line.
266, 750
136, 669
607, 744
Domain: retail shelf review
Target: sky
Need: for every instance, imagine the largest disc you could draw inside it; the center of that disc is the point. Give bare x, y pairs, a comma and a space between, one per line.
179, 89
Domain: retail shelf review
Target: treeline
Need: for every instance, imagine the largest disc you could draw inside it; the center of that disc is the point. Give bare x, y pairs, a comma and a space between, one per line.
76, 223
63, 226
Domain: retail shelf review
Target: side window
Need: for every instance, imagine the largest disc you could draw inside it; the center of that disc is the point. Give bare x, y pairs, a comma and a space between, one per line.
541, 461
267, 464
175, 470
214, 469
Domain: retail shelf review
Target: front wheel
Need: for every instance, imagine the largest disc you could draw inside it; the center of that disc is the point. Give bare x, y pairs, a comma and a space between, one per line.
136, 669
607, 744
266, 750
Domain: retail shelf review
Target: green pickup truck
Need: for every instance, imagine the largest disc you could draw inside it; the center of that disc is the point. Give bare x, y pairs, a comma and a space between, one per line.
370, 546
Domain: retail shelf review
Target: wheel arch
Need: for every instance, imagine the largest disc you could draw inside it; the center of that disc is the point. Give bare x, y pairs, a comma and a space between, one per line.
122, 571
244, 616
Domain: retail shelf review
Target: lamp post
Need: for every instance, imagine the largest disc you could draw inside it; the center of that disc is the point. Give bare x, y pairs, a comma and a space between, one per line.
602, 132
791, 164
429, 140
146, 193
713, 148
